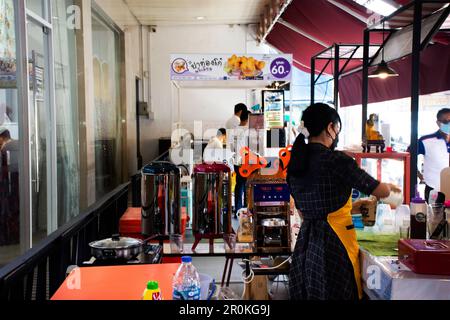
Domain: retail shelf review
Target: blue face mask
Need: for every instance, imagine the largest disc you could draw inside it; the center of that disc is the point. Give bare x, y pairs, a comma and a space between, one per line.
445, 128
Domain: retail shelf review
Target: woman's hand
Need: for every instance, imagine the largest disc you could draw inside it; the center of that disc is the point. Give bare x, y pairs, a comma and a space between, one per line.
384, 190
395, 188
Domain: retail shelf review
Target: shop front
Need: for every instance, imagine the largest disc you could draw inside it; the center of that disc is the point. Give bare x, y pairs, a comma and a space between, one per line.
323, 200
61, 155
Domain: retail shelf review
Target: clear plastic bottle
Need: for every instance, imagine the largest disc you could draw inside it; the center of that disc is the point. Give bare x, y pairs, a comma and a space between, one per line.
186, 282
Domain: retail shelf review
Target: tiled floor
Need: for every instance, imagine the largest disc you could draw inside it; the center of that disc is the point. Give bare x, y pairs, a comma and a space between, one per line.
213, 266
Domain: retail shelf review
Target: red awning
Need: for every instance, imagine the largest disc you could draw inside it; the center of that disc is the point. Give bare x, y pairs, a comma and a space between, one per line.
434, 77
307, 27
318, 24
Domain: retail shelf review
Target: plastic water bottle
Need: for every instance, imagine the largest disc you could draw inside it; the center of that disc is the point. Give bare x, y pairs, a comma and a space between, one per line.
186, 282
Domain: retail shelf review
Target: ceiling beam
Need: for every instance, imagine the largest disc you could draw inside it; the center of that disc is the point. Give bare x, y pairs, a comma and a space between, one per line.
125, 2
346, 9
301, 32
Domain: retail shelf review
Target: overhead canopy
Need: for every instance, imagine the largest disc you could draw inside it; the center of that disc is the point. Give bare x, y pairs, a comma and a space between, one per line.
308, 27
434, 73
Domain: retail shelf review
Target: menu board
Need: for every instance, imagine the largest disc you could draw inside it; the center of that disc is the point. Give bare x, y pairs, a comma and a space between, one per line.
273, 108
7, 45
223, 67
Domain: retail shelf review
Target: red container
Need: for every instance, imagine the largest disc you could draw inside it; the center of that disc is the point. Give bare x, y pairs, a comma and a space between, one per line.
209, 168
130, 226
425, 256
130, 223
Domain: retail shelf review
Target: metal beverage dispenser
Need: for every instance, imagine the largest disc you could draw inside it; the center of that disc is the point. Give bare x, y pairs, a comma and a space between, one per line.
161, 214
211, 202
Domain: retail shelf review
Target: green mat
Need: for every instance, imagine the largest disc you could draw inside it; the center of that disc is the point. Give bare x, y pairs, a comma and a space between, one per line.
378, 244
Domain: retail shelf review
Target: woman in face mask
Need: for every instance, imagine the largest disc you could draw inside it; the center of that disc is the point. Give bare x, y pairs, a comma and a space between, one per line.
325, 263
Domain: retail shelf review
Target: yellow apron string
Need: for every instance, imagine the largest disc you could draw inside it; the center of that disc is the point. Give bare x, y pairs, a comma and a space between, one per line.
340, 221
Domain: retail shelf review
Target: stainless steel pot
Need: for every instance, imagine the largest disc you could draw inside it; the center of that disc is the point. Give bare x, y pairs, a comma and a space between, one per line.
116, 248
161, 214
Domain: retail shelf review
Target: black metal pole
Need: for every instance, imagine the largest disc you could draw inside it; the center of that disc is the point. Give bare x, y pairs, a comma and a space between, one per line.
365, 83
336, 75
138, 128
415, 86
313, 79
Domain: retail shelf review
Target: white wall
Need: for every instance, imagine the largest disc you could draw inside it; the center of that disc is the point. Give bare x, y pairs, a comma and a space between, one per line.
213, 106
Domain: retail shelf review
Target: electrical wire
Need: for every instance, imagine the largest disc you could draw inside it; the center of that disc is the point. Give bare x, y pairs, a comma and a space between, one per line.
248, 279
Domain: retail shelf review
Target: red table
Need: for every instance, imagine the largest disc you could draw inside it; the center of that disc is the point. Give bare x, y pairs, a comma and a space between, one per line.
116, 283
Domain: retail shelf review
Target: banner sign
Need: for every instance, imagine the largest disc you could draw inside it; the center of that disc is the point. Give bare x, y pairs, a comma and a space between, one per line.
223, 67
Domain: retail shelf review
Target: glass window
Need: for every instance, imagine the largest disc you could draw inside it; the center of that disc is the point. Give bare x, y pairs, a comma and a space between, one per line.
66, 98
39, 7
9, 138
38, 124
107, 114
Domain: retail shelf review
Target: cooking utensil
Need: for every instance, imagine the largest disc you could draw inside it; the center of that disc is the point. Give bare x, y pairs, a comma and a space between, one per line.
117, 247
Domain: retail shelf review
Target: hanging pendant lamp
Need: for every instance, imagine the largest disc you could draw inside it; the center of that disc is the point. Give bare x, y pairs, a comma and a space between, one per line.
383, 71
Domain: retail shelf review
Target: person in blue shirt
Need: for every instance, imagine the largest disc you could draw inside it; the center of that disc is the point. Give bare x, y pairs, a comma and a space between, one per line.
435, 149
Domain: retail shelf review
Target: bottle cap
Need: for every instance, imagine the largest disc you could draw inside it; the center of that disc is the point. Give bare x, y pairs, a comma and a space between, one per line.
152, 285
186, 259
417, 198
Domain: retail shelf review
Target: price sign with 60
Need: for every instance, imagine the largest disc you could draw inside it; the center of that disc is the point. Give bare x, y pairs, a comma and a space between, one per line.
280, 68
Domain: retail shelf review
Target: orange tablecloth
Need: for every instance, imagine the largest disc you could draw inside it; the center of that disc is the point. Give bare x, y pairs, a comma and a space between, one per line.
116, 283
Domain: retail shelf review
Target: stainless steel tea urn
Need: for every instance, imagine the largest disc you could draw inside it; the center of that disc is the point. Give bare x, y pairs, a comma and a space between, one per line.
161, 214
212, 200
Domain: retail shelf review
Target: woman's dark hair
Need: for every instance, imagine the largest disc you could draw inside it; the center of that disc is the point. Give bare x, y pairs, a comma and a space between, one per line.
316, 118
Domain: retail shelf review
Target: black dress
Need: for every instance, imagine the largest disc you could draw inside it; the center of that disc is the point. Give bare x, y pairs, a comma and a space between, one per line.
321, 268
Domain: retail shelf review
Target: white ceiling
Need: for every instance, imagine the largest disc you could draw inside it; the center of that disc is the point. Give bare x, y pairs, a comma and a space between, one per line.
184, 12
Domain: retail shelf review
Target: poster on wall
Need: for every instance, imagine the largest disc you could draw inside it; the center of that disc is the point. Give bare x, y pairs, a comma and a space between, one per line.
7, 45
222, 67
273, 108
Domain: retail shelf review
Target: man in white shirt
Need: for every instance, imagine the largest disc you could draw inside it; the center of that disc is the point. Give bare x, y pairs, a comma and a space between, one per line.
235, 120
240, 137
214, 151
435, 149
